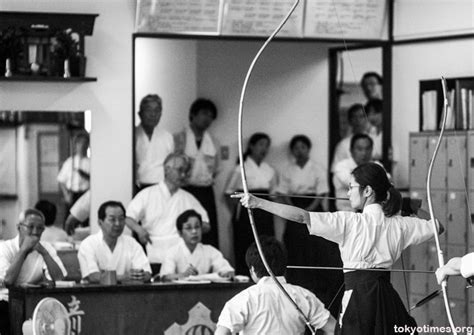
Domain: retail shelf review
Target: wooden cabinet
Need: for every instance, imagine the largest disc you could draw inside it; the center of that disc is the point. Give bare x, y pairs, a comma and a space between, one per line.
452, 190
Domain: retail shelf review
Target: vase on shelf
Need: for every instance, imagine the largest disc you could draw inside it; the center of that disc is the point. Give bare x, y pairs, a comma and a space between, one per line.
67, 72
8, 70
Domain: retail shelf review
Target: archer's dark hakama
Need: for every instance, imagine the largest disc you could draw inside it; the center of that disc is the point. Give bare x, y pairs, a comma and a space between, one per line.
366, 240
374, 306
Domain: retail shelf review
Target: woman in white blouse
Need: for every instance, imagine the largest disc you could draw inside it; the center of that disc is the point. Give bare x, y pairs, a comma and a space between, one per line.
303, 176
261, 178
372, 239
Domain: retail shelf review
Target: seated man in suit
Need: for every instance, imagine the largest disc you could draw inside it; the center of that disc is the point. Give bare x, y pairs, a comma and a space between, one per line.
26, 260
109, 250
190, 256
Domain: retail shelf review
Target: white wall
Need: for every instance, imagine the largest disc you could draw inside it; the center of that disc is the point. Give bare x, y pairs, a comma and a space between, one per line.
415, 62
287, 94
419, 18
167, 68
109, 58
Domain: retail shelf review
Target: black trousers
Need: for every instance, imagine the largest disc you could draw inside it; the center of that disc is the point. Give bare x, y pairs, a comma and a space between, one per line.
4, 318
374, 308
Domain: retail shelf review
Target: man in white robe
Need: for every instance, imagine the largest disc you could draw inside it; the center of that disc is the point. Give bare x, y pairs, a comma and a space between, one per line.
152, 144
158, 206
110, 250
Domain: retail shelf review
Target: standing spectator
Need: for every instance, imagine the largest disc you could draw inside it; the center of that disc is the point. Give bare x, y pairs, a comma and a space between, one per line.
261, 178
74, 175
359, 125
197, 143
152, 144
302, 176
374, 110
361, 152
51, 233
372, 85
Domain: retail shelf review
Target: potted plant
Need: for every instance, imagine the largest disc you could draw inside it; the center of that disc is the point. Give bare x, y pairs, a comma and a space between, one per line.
67, 55
10, 48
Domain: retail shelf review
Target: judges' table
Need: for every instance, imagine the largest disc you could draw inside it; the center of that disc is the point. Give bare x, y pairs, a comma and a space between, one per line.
131, 309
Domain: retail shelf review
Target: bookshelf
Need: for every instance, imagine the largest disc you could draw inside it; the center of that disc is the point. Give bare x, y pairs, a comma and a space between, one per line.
460, 100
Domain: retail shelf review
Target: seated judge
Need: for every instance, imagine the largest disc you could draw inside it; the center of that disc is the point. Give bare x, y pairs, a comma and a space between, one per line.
263, 309
191, 257
110, 250
51, 233
157, 207
26, 260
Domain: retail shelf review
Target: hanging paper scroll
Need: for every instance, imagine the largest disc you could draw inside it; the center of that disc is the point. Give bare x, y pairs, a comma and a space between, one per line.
260, 17
178, 16
348, 19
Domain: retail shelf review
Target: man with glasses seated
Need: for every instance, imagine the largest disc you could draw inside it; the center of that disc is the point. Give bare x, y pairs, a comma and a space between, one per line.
26, 260
189, 256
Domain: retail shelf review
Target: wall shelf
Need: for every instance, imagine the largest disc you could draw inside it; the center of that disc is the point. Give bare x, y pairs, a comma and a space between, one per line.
36, 45
48, 79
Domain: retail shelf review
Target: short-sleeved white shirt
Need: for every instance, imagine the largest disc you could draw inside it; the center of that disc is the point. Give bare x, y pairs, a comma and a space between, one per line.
33, 265
70, 176
467, 265
262, 309
82, 207
158, 210
95, 255
205, 258
151, 153
370, 239
309, 179
261, 176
